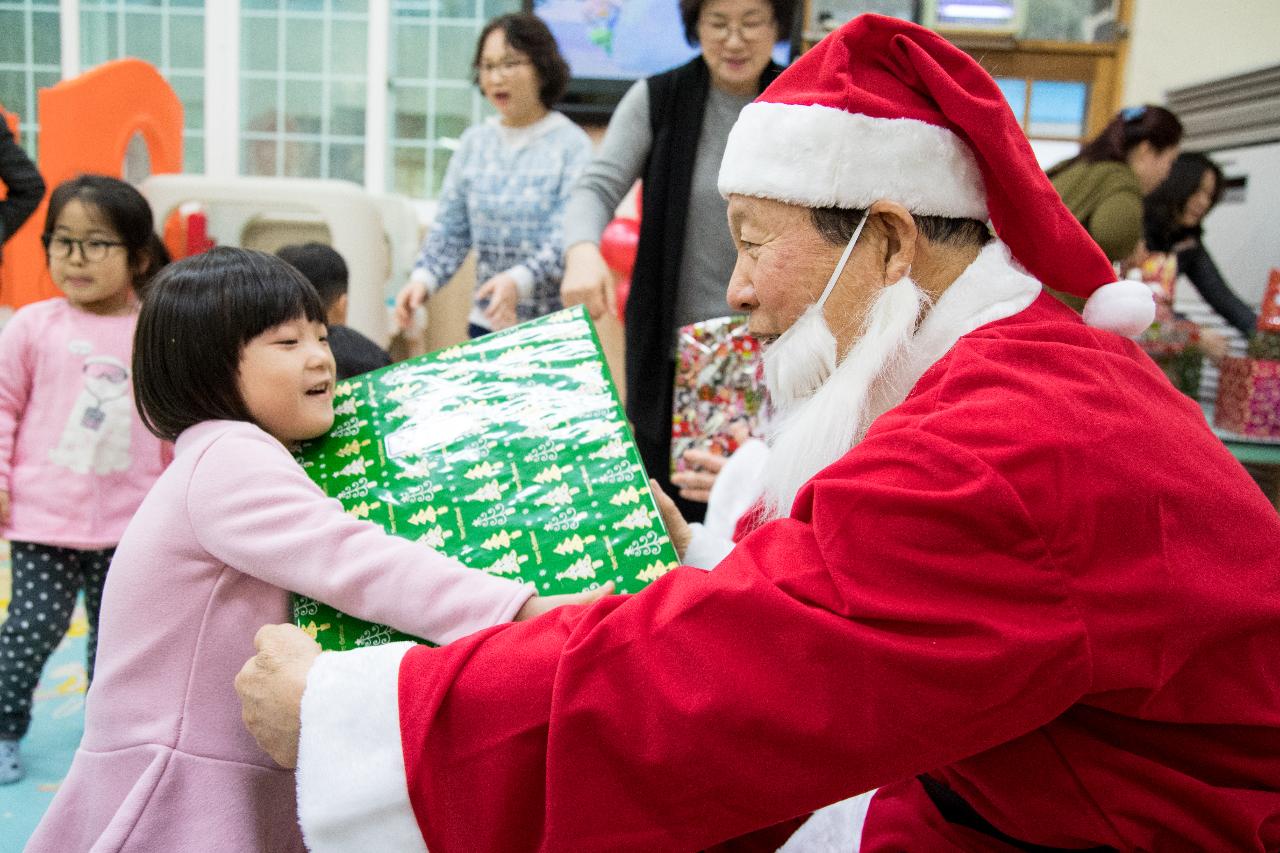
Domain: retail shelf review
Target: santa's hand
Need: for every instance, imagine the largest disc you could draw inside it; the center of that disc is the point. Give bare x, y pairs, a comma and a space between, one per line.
695, 481
4, 508
677, 528
539, 604
271, 684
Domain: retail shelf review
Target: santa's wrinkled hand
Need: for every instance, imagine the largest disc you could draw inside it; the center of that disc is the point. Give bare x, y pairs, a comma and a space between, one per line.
271, 684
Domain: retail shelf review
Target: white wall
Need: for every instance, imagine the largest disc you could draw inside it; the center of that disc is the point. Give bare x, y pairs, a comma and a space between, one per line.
1178, 43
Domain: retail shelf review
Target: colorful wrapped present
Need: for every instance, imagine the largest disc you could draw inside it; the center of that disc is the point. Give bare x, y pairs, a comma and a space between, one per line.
1269, 311
510, 453
1249, 397
1171, 341
719, 388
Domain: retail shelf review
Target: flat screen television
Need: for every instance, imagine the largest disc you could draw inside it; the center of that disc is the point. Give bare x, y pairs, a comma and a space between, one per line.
609, 44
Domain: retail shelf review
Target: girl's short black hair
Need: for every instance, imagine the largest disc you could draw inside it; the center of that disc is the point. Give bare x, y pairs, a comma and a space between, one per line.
198, 315
691, 10
529, 35
125, 210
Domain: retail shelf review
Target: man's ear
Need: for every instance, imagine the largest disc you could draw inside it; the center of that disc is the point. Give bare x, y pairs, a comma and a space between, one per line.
901, 237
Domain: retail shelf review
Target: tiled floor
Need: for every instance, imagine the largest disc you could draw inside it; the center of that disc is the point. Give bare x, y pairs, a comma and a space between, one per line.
57, 723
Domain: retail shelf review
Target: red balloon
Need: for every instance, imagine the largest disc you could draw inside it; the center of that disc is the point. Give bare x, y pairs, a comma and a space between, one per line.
618, 245
621, 290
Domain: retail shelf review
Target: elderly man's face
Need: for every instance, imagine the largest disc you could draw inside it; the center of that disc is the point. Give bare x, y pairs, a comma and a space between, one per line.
783, 265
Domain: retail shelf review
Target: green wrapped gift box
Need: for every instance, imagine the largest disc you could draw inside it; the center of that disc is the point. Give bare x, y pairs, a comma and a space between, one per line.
509, 453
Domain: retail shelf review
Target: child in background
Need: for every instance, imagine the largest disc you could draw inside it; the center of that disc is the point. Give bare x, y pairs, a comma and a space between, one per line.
75, 460
327, 272
231, 361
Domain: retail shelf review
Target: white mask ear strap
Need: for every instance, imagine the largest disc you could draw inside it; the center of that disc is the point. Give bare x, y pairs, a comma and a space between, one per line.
844, 258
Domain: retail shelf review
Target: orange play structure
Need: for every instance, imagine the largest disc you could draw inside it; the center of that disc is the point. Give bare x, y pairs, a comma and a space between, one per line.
86, 125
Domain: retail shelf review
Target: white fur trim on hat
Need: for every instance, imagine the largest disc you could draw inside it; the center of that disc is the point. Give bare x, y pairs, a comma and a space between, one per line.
1123, 307
819, 156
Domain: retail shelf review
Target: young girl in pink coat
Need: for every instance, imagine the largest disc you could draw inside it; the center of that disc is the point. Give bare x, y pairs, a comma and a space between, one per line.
231, 360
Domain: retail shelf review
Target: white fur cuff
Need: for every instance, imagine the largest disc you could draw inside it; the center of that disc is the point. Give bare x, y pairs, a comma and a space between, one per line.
818, 156
352, 792
1123, 307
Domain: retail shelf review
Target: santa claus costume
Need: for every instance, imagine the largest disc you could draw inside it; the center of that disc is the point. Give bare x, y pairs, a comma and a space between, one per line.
1036, 604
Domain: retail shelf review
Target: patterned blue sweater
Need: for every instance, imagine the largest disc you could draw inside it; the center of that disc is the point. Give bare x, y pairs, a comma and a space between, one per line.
504, 195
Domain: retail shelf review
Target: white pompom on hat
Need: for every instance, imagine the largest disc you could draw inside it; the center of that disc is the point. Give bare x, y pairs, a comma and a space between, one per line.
885, 109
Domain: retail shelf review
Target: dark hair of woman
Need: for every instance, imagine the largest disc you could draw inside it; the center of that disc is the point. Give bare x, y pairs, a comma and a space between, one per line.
529, 35
125, 210
691, 10
1165, 205
198, 315
1130, 128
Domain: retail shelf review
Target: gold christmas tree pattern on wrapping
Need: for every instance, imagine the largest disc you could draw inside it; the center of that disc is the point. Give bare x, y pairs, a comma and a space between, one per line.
509, 453
575, 544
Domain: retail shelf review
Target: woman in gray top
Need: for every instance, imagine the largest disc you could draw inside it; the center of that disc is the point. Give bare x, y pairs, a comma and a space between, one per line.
670, 131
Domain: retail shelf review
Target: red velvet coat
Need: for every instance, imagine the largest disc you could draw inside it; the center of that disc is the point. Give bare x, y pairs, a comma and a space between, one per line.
1040, 579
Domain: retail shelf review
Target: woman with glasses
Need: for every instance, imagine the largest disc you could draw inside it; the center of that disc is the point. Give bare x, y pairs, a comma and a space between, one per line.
506, 186
670, 131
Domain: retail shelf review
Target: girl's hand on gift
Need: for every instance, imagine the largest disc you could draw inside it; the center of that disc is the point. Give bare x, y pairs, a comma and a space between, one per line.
410, 298
271, 684
539, 604
695, 481
502, 293
4, 508
677, 528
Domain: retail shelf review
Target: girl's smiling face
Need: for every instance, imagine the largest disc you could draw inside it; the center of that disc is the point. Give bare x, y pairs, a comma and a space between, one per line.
88, 261
286, 380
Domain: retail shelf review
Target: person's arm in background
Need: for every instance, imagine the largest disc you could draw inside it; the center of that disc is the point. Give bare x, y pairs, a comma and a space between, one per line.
1196, 263
22, 182
447, 245
542, 270
15, 390
587, 279
1116, 225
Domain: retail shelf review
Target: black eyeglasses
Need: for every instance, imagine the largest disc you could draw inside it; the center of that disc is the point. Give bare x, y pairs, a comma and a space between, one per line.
59, 248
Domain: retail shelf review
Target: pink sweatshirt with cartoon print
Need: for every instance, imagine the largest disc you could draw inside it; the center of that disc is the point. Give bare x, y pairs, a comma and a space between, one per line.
74, 455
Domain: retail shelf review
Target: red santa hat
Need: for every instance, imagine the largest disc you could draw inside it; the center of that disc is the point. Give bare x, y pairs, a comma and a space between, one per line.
886, 109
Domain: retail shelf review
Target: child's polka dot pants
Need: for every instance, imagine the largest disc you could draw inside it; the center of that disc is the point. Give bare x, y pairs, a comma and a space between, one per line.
45, 582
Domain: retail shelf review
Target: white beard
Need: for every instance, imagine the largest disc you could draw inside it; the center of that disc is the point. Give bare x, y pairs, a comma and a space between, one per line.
814, 428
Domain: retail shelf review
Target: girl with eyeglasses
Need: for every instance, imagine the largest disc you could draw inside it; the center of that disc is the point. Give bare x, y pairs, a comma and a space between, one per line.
670, 132
506, 186
75, 459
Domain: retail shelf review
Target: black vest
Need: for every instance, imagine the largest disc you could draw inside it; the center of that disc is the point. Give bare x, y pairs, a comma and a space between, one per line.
677, 101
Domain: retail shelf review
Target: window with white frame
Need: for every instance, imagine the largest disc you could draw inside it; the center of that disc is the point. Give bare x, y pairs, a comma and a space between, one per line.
303, 87
29, 58
169, 34
432, 97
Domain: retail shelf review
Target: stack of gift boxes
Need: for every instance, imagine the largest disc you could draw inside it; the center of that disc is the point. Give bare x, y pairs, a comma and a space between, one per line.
719, 389
509, 453
1249, 388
